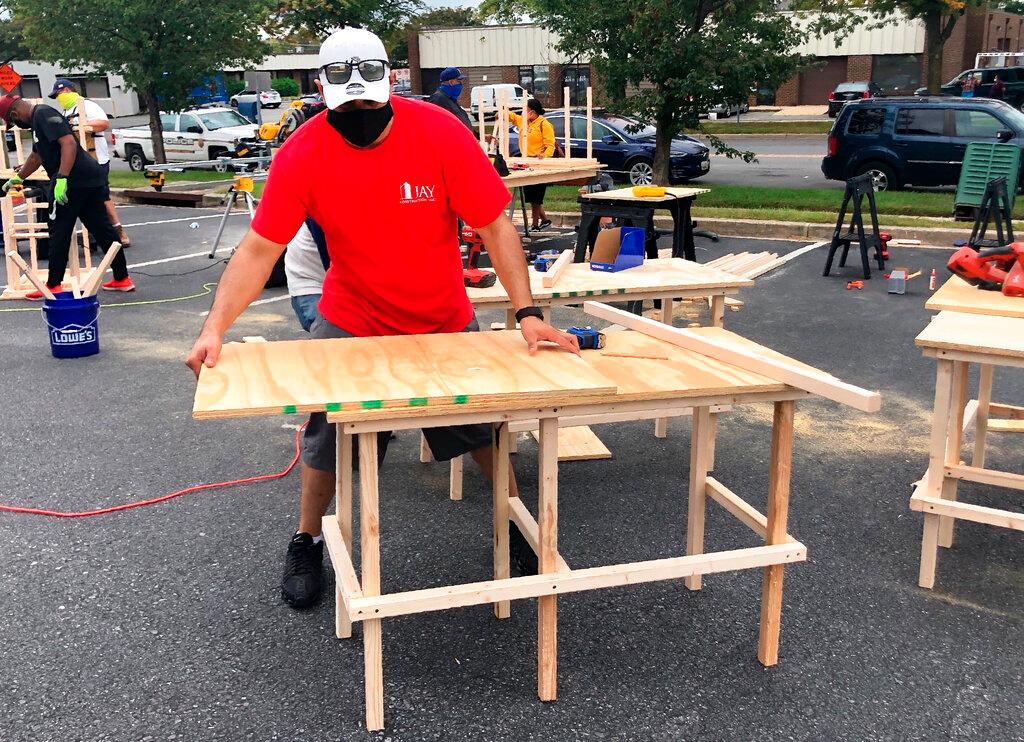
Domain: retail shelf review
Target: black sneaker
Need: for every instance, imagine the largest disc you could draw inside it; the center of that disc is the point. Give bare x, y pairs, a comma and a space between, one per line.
303, 571
522, 554
545, 223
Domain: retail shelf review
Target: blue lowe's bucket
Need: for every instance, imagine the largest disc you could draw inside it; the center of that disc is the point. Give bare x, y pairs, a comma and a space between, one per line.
73, 325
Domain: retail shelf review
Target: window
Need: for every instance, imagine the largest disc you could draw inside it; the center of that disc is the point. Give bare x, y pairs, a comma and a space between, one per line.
977, 124
600, 131
921, 122
28, 88
91, 86
187, 122
558, 125
897, 74
168, 122
866, 121
222, 119
535, 79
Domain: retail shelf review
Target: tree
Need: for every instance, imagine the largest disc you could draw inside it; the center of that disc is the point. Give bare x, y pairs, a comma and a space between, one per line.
321, 17
940, 17
12, 45
666, 61
161, 49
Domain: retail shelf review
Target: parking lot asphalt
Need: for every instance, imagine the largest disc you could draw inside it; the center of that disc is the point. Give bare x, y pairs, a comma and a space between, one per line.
165, 622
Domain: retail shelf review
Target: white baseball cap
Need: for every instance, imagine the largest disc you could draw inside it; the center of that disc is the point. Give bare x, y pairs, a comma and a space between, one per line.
353, 45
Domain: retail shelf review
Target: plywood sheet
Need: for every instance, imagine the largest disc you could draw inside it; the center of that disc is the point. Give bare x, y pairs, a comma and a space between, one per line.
659, 274
657, 369
427, 374
956, 295
578, 443
626, 194
970, 333
539, 175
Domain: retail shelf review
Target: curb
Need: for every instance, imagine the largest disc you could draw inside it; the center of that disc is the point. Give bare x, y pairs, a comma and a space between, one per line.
790, 230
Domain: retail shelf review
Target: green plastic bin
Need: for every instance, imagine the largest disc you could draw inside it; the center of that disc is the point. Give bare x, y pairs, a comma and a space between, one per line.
984, 161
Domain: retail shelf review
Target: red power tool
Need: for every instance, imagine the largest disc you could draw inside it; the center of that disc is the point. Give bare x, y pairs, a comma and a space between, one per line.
472, 276
992, 269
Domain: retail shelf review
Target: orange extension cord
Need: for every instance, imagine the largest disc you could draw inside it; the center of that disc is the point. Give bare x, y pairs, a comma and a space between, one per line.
188, 490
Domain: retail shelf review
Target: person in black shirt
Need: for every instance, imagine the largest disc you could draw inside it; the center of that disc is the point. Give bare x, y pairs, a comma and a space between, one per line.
447, 95
78, 188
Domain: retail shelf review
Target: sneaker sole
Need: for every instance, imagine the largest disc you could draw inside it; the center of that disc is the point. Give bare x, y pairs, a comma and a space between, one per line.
112, 288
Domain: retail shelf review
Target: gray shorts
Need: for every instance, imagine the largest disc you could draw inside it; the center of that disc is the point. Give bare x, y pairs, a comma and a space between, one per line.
319, 438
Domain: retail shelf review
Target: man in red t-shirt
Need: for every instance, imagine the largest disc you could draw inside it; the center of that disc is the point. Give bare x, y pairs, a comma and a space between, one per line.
386, 179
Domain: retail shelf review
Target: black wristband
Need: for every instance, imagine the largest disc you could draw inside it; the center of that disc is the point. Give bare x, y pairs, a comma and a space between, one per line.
529, 312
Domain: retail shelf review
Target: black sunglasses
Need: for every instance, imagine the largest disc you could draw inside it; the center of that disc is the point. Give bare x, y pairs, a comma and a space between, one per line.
370, 70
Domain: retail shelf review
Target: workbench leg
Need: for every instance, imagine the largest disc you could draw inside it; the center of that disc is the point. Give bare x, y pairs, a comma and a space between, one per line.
547, 606
697, 498
425, 453
778, 512
369, 526
718, 310
343, 505
661, 423
981, 419
499, 455
935, 474
455, 478
712, 435
954, 444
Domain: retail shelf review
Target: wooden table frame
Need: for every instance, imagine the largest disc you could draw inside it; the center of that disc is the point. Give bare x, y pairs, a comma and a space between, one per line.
360, 600
935, 494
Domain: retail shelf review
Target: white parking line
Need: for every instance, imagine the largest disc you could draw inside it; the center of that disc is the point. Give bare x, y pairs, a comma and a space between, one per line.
185, 219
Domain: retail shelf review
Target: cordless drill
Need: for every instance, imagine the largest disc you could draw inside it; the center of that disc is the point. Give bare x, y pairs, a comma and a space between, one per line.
473, 277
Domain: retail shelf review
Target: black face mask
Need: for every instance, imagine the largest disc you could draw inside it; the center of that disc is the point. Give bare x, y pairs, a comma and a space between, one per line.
361, 126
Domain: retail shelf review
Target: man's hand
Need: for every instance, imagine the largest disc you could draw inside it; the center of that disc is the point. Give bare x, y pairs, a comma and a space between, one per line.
536, 330
60, 191
206, 352
14, 181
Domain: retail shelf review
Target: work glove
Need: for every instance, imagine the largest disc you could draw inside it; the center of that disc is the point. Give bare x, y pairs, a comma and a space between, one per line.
14, 181
60, 191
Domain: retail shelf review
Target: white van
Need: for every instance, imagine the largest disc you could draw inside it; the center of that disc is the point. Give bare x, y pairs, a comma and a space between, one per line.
488, 96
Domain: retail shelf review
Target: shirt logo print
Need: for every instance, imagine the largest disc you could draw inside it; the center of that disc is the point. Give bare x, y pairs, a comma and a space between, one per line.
413, 194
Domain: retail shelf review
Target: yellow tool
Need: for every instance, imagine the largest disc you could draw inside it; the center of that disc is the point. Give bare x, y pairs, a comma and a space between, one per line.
244, 183
269, 131
648, 191
156, 179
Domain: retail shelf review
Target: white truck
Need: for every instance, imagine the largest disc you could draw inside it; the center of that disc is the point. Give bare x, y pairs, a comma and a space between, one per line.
489, 96
190, 136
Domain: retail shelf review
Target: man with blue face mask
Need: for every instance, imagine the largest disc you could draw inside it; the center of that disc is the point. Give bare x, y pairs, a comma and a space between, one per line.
447, 94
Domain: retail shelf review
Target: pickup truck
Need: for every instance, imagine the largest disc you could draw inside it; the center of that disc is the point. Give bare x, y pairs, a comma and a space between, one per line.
189, 136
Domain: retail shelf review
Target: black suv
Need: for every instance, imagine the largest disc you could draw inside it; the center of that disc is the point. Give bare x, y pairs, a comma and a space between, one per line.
915, 140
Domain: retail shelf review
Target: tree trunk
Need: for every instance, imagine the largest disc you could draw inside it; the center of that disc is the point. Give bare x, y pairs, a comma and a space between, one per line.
663, 146
156, 131
935, 41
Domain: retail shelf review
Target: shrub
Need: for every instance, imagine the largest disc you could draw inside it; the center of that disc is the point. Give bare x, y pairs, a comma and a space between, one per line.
286, 86
234, 87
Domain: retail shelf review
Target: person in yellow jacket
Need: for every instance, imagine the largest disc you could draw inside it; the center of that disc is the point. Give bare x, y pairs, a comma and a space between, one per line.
540, 142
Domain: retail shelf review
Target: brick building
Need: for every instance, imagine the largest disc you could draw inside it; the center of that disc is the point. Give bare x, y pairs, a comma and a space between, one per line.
890, 53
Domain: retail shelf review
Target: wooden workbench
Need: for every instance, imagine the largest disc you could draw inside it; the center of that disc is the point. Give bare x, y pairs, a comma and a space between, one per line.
973, 326
638, 211
371, 384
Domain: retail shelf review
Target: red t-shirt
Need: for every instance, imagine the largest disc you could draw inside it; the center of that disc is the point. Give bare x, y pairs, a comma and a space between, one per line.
389, 215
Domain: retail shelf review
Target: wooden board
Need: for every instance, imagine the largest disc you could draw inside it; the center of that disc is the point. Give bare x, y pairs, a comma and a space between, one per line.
956, 295
578, 443
655, 275
732, 349
969, 333
626, 194
416, 375
550, 175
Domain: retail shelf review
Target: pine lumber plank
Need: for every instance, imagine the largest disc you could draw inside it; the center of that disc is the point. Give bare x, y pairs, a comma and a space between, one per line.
547, 557
958, 331
626, 194
579, 443
956, 295
93, 285
935, 506
730, 348
551, 276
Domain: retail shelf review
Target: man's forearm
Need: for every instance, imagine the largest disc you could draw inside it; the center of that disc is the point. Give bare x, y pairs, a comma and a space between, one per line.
242, 282
68, 153
506, 252
30, 165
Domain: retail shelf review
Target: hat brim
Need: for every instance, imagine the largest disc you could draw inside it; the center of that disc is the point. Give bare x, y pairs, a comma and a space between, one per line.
337, 95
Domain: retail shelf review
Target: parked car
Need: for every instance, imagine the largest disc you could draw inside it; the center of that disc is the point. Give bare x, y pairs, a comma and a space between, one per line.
268, 98
189, 136
312, 99
9, 140
850, 91
915, 140
725, 110
489, 96
626, 148
1013, 77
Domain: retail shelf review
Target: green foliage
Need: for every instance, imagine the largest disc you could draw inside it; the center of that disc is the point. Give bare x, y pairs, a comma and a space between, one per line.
667, 61
397, 41
1013, 6
234, 87
286, 86
12, 45
320, 17
159, 48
